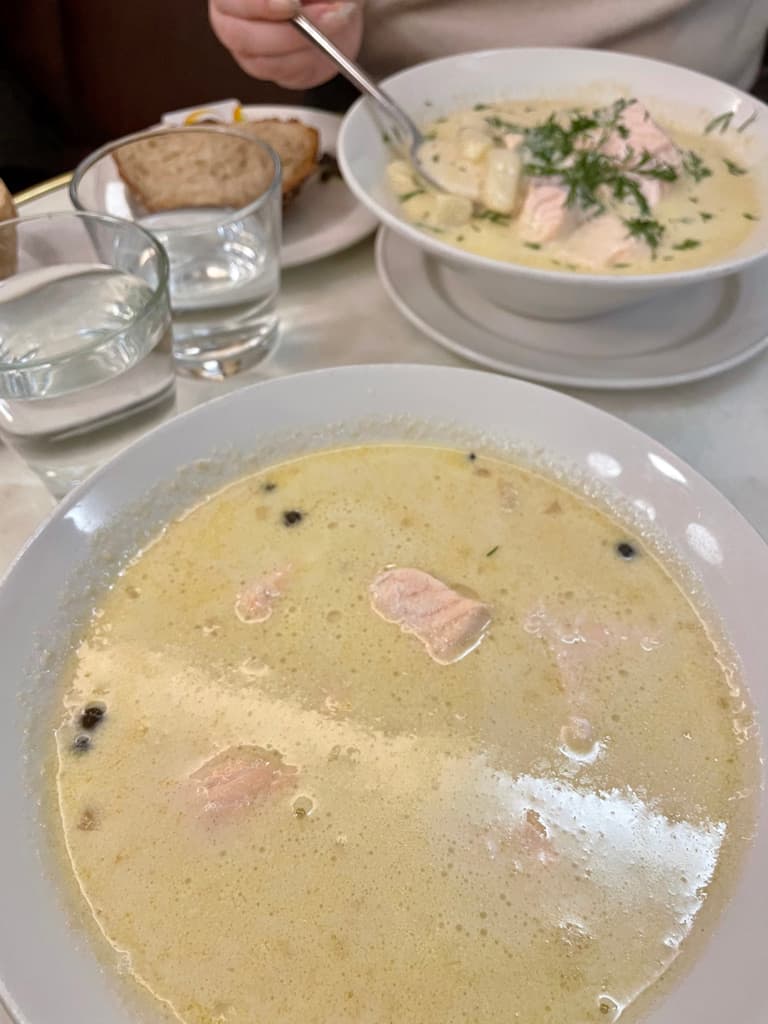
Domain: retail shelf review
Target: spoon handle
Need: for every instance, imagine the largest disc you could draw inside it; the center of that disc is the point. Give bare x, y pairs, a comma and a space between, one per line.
351, 71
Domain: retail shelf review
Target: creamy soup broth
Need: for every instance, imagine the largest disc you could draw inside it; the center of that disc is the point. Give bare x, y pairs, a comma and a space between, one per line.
278, 805
636, 194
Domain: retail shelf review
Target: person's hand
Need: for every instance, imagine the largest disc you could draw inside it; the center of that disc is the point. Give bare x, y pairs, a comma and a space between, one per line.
256, 34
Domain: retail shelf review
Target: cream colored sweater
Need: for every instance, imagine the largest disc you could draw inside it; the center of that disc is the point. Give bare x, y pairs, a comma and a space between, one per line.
723, 38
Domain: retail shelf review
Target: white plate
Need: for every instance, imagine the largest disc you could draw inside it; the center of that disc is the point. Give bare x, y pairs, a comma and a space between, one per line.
685, 335
325, 217
57, 578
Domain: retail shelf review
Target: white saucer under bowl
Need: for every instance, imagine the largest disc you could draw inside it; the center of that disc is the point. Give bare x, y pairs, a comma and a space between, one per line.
682, 336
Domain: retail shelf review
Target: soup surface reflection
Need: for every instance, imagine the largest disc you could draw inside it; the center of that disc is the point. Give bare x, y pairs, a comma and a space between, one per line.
400, 733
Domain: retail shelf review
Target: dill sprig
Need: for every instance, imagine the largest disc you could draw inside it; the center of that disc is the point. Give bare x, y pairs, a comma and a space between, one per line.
695, 166
720, 123
688, 243
734, 168
647, 229
493, 216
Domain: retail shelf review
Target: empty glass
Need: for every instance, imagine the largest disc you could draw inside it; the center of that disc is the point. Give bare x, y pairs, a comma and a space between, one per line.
85, 341
212, 196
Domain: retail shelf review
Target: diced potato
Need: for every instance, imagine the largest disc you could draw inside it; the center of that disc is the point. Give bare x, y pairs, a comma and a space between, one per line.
400, 176
474, 143
452, 211
421, 209
451, 171
502, 180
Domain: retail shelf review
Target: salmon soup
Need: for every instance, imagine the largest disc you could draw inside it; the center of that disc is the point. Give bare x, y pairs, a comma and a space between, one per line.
401, 733
571, 188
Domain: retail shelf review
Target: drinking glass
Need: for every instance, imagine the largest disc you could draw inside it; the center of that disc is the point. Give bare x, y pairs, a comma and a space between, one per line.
85, 341
212, 196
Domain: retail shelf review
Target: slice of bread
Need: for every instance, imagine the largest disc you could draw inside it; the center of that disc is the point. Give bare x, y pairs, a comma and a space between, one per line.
297, 144
189, 167
8, 244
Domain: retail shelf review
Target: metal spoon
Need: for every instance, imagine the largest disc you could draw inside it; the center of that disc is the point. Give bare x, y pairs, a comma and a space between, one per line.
402, 133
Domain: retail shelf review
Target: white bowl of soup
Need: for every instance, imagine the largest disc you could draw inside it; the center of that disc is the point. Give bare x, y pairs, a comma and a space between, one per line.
386, 693
576, 181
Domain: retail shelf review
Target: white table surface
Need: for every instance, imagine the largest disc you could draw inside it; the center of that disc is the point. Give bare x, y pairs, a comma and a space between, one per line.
335, 312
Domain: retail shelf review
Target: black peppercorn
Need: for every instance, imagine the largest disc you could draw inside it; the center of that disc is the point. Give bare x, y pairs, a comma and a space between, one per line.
91, 716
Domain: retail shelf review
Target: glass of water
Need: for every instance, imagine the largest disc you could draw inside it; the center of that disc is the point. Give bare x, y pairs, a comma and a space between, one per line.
85, 341
212, 196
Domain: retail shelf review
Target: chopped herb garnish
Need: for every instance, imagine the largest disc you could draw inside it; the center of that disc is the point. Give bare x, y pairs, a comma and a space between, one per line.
435, 158
269, 485
695, 166
646, 229
430, 136
621, 266
499, 123
480, 106
430, 227
705, 216
532, 245
688, 243
649, 167
385, 139
492, 551
693, 199
734, 168
750, 216
722, 123
411, 195
493, 216
750, 120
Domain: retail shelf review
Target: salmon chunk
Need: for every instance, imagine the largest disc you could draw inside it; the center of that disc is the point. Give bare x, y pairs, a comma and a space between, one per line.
255, 601
448, 623
637, 134
546, 215
238, 778
603, 242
